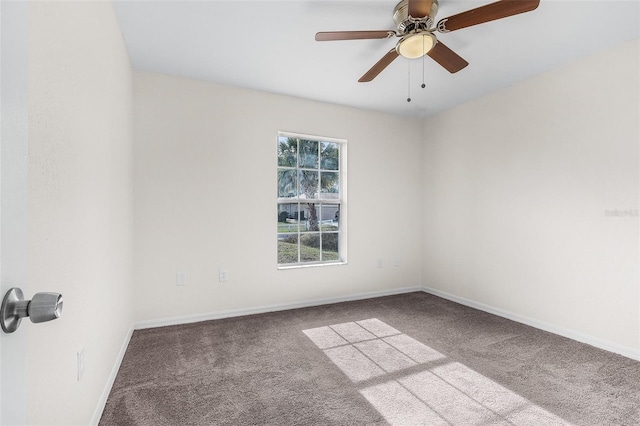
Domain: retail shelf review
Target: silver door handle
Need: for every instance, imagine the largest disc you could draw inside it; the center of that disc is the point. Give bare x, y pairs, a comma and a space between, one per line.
43, 307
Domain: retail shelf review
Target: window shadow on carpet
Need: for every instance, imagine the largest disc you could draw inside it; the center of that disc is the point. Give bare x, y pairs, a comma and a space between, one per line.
410, 383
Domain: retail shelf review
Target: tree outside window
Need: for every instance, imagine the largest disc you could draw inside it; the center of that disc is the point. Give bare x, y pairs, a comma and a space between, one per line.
309, 200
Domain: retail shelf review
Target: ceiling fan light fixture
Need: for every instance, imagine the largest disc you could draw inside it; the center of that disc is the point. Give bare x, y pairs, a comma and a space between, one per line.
415, 45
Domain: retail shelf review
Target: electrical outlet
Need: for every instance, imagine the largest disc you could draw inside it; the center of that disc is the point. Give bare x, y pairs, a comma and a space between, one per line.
181, 278
396, 261
379, 263
223, 276
80, 357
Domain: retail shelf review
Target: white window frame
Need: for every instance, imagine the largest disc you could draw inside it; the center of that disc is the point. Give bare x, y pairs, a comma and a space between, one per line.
341, 201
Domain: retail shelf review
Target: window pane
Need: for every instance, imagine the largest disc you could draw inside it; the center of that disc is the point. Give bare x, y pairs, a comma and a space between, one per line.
330, 247
287, 248
330, 217
310, 247
330, 185
287, 151
329, 156
310, 212
287, 183
309, 154
288, 217
308, 184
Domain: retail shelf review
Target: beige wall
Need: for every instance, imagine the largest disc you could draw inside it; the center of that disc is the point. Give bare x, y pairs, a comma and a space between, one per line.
80, 203
517, 185
205, 185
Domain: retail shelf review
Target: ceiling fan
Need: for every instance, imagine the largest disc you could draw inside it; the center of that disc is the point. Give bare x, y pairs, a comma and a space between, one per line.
414, 22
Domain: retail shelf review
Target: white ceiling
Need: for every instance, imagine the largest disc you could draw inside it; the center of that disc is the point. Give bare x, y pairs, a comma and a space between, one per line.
269, 46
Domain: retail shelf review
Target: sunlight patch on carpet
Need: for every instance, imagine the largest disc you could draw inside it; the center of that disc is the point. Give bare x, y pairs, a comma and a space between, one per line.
377, 327
386, 356
352, 332
413, 349
324, 337
444, 392
354, 363
399, 406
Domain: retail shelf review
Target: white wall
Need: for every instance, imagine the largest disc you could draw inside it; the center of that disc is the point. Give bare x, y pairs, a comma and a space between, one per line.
13, 239
205, 170
80, 203
516, 189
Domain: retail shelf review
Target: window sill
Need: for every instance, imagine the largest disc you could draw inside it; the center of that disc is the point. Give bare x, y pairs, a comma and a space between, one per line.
311, 265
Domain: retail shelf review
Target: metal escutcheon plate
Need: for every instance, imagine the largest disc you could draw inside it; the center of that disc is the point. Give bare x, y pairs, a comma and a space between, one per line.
10, 319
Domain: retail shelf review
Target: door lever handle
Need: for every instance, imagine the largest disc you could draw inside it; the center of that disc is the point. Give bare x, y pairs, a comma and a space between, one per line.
43, 307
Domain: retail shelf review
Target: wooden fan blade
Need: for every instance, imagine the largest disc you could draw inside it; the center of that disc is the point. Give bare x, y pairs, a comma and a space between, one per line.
490, 12
447, 58
379, 66
353, 35
419, 8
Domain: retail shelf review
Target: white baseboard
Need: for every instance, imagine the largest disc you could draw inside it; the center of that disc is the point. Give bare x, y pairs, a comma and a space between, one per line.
552, 328
226, 314
269, 308
571, 334
97, 414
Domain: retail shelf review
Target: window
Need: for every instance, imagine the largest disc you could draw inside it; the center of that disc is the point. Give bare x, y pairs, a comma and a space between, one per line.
311, 189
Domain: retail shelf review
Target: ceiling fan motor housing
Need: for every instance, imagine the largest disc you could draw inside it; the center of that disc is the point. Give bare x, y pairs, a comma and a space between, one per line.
414, 21
407, 24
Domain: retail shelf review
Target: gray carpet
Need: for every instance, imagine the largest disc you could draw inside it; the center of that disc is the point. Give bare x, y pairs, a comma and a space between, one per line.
407, 359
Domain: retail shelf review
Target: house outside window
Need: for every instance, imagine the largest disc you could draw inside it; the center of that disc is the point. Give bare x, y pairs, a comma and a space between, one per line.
311, 188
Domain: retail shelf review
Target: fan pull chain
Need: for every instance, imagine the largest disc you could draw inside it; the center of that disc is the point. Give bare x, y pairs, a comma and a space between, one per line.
409, 81
423, 55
